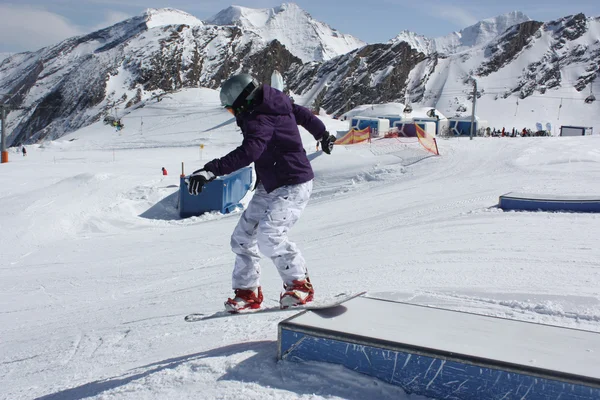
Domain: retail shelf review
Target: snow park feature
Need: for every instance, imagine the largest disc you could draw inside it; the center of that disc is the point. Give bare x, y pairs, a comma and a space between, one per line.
547, 202
223, 194
446, 354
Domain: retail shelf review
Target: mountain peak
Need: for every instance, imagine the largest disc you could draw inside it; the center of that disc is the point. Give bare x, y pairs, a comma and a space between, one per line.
168, 16
305, 37
253, 17
487, 29
477, 34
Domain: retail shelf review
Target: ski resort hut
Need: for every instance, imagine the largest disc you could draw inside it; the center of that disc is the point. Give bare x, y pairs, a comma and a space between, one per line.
462, 126
407, 128
431, 125
378, 126
567, 130
426, 117
392, 118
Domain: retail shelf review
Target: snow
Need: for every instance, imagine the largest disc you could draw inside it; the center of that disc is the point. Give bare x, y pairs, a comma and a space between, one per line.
98, 271
472, 36
447, 88
169, 16
305, 37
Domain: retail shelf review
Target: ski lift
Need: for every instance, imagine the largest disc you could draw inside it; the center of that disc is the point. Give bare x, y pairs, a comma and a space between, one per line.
408, 109
590, 99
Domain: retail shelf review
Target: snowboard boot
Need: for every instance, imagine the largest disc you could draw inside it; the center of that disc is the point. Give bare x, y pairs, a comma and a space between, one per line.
244, 299
298, 293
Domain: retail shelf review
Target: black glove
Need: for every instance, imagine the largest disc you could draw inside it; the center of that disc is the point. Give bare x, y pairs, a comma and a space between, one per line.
197, 180
327, 142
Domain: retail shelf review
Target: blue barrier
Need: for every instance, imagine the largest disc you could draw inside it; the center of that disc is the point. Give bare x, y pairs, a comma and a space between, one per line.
539, 202
223, 194
446, 354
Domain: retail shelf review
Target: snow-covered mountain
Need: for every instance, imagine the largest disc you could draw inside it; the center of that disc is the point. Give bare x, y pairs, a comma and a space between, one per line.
525, 73
533, 72
475, 35
169, 16
305, 37
82, 79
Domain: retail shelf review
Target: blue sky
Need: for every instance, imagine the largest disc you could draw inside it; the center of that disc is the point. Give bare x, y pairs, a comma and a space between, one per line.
31, 24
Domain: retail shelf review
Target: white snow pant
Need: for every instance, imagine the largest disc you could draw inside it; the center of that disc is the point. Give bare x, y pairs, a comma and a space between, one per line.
264, 227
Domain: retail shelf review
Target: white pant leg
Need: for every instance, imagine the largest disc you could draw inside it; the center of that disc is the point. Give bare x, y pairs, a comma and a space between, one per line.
246, 271
284, 209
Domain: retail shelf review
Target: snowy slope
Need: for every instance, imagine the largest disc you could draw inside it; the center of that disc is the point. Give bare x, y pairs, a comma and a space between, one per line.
532, 87
98, 270
307, 38
533, 73
475, 35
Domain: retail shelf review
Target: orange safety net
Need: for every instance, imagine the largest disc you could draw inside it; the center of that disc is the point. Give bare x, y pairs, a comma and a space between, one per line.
427, 141
355, 136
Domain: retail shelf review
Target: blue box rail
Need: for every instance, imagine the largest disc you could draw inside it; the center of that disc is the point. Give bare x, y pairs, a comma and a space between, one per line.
223, 194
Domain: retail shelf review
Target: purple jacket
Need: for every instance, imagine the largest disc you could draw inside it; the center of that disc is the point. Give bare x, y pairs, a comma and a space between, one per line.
272, 141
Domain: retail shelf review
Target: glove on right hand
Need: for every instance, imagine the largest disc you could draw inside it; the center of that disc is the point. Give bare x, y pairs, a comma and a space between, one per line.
327, 142
197, 180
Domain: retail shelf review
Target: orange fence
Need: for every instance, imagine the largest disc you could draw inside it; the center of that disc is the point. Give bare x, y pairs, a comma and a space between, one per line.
355, 136
427, 141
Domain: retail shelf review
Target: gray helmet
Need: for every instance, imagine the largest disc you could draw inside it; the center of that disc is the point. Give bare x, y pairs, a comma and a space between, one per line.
236, 90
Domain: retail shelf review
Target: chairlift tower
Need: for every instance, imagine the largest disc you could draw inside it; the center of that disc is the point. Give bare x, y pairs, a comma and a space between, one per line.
473, 109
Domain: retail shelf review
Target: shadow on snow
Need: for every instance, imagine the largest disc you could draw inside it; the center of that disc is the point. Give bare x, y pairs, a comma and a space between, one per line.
166, 209
263, 369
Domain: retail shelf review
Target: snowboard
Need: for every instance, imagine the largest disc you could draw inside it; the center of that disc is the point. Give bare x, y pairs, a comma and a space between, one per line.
313, 305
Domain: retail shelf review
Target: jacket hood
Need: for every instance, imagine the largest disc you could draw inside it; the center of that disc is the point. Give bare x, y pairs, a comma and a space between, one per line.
273, 102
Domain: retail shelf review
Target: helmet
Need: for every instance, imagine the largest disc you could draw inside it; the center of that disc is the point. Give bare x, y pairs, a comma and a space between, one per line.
236, 90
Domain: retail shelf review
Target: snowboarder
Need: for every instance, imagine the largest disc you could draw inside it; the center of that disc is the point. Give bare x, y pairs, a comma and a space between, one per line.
24, 150
164, 171
271, 139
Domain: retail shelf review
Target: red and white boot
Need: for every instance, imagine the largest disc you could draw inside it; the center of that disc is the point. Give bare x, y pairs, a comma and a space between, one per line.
298, 293
245, 299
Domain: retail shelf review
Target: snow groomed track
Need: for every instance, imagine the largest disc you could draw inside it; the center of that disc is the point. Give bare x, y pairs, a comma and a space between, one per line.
542, 202
447, 354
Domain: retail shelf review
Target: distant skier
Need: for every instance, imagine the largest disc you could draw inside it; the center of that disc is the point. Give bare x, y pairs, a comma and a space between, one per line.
24, 150
269, 123
164, 171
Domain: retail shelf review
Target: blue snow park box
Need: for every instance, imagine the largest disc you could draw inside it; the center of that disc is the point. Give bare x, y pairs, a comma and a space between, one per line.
547, 202
223, 194
445, 354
